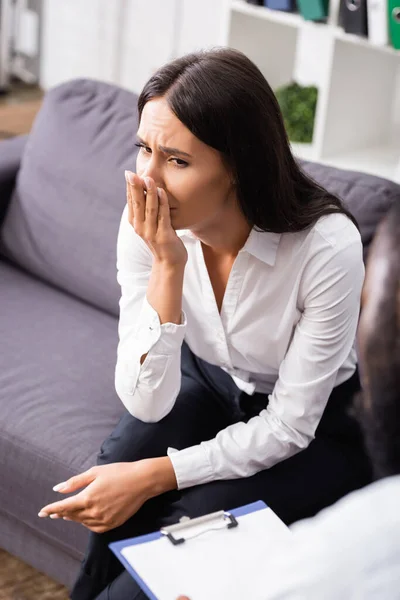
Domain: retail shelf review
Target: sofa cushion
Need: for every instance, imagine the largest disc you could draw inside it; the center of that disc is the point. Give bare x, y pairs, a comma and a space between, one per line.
63, 219
366, 196
57, 397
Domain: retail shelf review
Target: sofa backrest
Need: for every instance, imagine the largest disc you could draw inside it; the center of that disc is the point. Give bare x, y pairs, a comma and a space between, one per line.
366, 196
63, 219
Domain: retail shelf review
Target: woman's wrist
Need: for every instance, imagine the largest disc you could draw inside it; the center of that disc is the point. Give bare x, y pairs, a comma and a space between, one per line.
162, 476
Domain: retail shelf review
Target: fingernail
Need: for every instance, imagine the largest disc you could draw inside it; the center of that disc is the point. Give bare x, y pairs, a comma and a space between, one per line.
159, 193
54, 517
59, 486
42, 514
129, 177
148, 182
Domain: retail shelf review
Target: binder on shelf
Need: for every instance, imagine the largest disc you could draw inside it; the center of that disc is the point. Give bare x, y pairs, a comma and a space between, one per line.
313, 10
377, 17
394, 23
285, 5
207, 558
353, 16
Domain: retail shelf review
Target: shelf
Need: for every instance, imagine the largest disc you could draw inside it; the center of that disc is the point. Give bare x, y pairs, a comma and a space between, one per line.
256, 36
304, 151
296, 20
359, 40
358, 83
381, 160
262, 12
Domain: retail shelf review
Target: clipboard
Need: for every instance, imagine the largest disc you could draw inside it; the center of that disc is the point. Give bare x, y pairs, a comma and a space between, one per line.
197, 557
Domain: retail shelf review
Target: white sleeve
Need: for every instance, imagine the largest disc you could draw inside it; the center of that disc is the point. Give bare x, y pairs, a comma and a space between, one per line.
349, 550
148, 391
322, 341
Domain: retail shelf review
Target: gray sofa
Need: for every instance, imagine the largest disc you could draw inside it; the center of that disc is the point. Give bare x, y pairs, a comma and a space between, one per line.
62, 192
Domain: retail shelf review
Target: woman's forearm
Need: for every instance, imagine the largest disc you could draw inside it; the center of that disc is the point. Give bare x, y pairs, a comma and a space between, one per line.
164, 293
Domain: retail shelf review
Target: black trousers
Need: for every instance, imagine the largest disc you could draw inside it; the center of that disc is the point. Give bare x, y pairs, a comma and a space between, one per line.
334, 464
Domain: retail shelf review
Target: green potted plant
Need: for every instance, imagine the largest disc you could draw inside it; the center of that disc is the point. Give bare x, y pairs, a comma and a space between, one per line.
298, 105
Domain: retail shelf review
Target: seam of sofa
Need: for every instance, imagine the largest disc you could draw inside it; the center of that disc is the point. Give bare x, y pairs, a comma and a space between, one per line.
33, 449
55, 541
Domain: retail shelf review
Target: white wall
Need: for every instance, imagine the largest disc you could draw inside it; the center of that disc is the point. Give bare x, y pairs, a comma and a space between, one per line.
146, 39
122, 42
203, 24
78, 40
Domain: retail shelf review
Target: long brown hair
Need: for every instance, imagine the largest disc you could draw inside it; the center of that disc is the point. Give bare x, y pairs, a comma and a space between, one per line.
225, 101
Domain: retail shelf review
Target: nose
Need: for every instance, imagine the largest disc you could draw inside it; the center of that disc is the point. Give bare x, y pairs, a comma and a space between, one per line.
151, 170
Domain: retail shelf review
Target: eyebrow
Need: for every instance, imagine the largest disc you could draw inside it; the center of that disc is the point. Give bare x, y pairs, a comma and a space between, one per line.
166, 149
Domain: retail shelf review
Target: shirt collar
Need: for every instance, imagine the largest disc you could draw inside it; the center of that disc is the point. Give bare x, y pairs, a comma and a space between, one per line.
185, 233
261, 244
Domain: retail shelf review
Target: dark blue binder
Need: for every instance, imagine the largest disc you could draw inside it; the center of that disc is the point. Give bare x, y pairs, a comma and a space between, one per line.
285, 5
117, 547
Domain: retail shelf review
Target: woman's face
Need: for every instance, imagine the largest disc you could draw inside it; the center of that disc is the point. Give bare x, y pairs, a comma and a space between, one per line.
198, 184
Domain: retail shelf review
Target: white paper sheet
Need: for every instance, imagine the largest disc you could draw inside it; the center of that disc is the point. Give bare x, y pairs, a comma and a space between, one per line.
224, 563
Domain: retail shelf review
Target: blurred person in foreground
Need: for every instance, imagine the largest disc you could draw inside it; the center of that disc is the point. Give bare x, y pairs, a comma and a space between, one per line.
352, 549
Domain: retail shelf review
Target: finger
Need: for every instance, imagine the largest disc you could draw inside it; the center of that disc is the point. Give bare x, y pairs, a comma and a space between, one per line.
79, 516
64, 507
129, 202
76, 483
138, 200
164, 215
152, 204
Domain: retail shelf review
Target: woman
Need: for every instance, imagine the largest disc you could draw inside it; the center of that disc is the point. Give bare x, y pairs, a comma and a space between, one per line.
241, 281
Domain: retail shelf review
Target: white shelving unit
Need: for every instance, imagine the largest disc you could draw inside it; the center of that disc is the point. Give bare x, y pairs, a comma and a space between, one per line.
357, 124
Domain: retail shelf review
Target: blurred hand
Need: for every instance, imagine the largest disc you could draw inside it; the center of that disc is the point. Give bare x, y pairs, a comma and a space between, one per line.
150, 217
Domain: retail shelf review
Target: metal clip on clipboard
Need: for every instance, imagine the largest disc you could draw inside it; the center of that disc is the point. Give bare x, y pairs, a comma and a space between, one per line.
216, 519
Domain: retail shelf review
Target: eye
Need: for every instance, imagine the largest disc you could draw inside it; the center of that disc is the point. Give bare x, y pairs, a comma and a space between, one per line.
140, 145
181, 162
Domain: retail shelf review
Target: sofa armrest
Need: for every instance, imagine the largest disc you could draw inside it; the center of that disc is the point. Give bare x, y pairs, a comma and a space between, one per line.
11, 151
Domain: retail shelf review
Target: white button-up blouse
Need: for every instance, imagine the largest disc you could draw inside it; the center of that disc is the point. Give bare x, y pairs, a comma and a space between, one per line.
287, 328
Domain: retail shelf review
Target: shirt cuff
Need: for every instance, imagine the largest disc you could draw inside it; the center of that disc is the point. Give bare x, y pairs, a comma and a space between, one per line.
163, 339
191, 466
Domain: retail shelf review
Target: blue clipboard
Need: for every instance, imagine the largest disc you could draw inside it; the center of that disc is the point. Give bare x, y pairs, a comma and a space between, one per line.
117, 547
